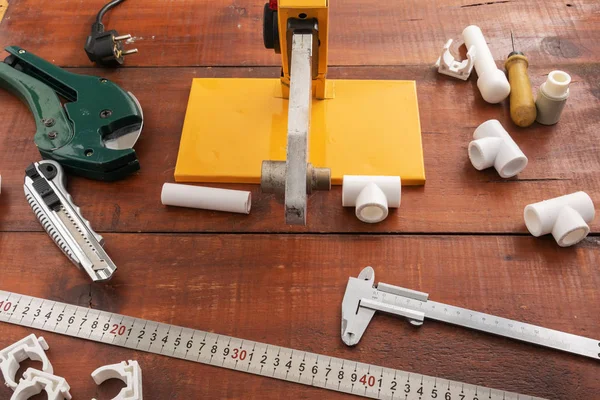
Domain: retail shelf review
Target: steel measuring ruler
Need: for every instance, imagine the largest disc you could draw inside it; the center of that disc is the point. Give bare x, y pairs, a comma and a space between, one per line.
262, 359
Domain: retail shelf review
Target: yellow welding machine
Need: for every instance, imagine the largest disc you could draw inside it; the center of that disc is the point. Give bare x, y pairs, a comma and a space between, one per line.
358, 127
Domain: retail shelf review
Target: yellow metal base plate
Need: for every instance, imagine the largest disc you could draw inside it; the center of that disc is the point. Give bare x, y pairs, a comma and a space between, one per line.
368, 128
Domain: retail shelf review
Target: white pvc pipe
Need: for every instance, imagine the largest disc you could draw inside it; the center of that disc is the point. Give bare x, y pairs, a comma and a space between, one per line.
206, 198
371, 195
492, 82
493, 146
566, 217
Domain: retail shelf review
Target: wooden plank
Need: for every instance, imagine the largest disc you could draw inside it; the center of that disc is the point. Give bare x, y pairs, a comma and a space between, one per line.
211, 33
457, 198
287, 290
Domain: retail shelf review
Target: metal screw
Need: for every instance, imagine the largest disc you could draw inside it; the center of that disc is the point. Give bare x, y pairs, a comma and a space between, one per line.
22, 51
103, 80
52, 135
88, 153
105, 113
48, 122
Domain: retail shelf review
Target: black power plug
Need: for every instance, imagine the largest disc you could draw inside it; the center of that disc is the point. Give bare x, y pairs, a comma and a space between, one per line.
106, 47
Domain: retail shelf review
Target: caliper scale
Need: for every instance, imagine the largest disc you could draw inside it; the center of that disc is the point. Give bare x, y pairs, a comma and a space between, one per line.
363, 298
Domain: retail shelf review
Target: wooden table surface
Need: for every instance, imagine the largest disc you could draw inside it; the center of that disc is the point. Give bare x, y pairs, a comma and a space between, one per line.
460, 238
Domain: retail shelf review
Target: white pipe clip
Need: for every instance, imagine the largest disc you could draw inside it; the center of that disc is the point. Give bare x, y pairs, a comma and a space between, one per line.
566, 217
371, 195
448, 65
493, 147
130, 373
34, 382
206, 198
11, 357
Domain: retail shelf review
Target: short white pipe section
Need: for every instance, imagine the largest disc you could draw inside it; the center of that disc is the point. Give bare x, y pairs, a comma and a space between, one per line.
371, 195
206, 198
492, 82
557, 85
493, 147
566, 217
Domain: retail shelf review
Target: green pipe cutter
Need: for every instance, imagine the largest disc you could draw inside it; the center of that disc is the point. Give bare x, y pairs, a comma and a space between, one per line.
93, 133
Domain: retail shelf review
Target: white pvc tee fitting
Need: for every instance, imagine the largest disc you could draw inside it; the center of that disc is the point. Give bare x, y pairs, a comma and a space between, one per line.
492, 82
206, 198
371, 195
493, 147
566, 217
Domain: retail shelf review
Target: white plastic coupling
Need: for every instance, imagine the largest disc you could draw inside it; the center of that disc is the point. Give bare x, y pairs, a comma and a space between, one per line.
566, 217
493, 147
552, 97
371, 195
492, 82
30, 347
206, 198
557, 85
128, 372
448, 65
34, 382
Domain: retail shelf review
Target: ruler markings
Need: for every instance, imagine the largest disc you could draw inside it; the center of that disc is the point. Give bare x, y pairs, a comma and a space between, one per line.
236, 354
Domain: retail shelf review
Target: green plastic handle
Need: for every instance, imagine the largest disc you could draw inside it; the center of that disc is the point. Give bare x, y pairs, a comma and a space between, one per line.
95, 110
53, 129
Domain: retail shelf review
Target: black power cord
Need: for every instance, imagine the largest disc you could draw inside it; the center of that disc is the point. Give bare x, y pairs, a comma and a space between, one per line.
106, 47
104, 9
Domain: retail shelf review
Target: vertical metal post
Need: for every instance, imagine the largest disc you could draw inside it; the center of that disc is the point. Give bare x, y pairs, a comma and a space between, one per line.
298, 129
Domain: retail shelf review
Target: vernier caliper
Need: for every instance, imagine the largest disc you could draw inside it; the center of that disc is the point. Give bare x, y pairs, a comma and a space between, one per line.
363, 298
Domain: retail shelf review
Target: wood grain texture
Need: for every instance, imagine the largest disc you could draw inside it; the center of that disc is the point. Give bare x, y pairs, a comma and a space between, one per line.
229, 33
287, 290
461, 237
456, 198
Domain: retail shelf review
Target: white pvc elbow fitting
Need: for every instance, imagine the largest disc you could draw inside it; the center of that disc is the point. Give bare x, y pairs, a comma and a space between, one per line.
206, 198
371, 195
493, 147
566, 217
492, 82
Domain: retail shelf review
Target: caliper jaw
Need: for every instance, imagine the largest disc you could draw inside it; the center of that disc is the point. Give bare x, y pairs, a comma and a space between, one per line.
355, 318
363, 298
